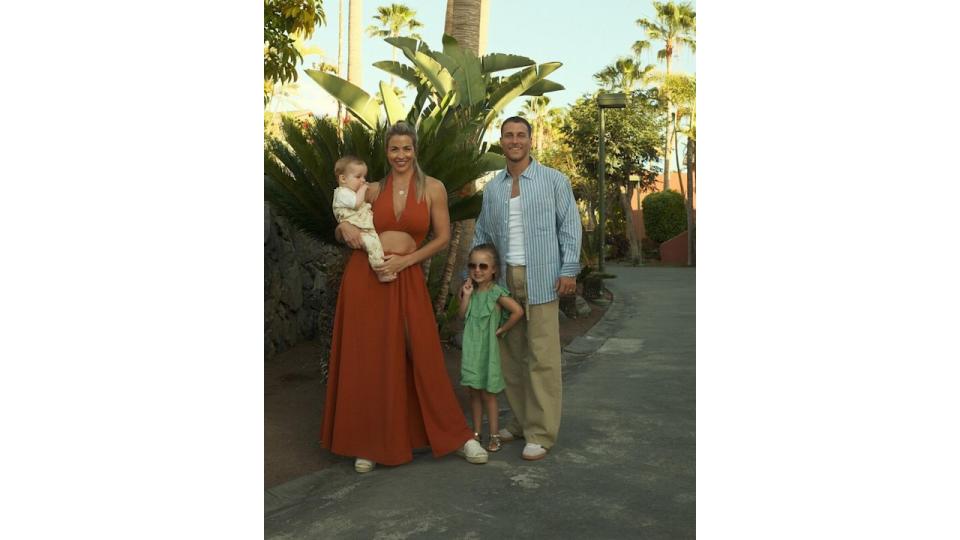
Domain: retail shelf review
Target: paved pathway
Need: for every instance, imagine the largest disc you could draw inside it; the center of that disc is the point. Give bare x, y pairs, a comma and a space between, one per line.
624, 466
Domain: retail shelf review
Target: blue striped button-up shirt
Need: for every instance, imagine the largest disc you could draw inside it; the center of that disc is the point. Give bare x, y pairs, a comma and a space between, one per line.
551, 227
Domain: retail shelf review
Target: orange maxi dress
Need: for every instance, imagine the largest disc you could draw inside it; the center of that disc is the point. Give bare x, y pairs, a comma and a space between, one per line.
387, 390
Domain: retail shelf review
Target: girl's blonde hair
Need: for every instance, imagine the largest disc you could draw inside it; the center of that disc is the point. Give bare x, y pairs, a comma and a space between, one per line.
400, 129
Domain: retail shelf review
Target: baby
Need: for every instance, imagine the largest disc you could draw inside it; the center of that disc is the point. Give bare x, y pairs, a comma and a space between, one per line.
349, 204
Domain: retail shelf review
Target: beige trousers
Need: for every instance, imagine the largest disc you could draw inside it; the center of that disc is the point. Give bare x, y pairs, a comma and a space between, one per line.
530, 361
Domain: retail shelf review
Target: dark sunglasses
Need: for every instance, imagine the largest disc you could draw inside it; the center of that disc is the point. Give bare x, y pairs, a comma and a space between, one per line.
482, 266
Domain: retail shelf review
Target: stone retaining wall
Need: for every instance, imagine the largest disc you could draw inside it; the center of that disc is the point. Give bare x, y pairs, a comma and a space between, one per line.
301, 281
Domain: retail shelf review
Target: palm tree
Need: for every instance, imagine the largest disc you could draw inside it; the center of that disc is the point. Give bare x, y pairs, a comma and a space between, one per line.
685, 94
535, 109
639, 47
393, 19
675, 26
354, 69
458, 97
624, 75
340, 62
287, 92
462, 23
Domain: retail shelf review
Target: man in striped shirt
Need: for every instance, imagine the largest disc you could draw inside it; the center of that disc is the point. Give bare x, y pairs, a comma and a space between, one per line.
530, 214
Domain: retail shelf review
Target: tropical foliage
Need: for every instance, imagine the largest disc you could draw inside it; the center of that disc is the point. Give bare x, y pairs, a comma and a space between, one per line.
392, 20
624, 75
452, 85
458, 94
675, 25
283, 22
299, 179
633, 136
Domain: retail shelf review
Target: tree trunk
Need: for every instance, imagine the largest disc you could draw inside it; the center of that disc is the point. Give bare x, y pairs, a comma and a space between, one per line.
540, 133
440, 302
676, 152
448, 20
463, 24
340, 64
691, 225
466, 24
626, 195
354, 69
666, 154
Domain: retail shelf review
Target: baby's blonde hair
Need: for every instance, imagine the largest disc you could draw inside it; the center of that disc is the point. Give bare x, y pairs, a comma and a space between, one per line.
341, 165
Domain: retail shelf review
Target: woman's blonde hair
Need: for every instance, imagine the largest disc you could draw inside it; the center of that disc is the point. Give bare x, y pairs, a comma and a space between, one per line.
400, 129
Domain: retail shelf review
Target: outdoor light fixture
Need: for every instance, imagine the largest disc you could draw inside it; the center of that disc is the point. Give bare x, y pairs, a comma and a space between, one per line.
612, 101
605, 101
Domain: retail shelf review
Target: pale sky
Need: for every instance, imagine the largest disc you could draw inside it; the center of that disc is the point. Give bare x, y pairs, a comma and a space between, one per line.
567, 31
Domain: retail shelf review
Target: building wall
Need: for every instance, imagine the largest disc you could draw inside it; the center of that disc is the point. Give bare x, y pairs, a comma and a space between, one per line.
675, 179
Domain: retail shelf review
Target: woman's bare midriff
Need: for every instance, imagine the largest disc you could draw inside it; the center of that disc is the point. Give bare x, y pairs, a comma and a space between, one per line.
397, 242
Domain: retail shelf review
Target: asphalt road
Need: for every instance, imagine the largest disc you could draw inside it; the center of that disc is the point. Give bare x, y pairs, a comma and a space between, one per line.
624, 466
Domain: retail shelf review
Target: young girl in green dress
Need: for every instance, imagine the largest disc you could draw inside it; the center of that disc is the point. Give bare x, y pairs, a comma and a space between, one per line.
481, 301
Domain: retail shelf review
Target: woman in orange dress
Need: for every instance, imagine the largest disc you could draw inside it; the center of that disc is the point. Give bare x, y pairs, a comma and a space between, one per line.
387, 390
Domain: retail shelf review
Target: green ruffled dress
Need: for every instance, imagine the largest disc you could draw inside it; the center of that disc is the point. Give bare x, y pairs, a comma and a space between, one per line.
480, 364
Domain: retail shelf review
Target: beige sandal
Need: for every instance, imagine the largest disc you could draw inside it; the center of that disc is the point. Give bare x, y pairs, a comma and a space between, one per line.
494, 444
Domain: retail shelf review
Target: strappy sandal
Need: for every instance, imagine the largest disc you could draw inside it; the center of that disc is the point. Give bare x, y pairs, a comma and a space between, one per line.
494, 444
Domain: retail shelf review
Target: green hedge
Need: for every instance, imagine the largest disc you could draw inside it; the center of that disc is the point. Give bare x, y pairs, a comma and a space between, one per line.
664, 215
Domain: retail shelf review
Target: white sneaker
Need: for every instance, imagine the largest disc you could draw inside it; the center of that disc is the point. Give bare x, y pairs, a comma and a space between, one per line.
533, 452
506, 435
363, 465
474, 453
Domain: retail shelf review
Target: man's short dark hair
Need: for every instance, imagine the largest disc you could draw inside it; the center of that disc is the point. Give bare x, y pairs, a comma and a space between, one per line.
519, 119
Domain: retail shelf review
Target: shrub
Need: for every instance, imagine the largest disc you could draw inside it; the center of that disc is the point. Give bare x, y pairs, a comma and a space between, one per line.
664, 215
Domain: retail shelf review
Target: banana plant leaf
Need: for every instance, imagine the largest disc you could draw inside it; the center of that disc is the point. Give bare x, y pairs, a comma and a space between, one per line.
403, 71
361, 104
391, 103
471, 85
457, 98
499, 62
542, 87
516, 84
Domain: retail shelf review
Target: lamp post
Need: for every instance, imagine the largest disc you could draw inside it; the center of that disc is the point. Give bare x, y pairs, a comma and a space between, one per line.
605, 101
636, 189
